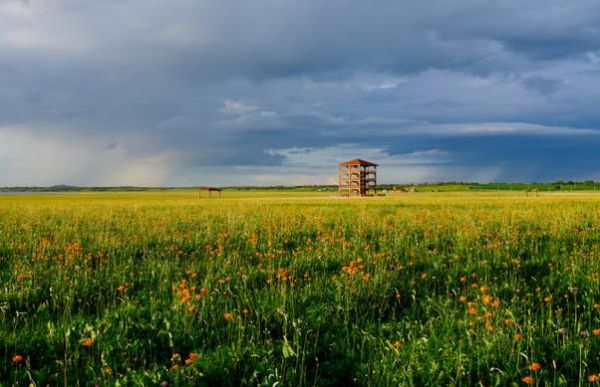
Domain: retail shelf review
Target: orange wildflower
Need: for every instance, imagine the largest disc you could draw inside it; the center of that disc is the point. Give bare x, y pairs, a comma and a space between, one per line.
484, 289
227, 315
88, 342
122, 288
535, 367
174, 368
518, 337
17, 359
596, 332
192, 357
175, 357
397, 344
593, 378
472, 311
527, 380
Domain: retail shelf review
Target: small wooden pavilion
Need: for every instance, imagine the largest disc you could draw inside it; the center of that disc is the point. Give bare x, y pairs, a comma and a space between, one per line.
357, 177
206, 192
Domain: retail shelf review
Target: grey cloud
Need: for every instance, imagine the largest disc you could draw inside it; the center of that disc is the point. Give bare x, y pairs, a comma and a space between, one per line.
543, 85
194, 86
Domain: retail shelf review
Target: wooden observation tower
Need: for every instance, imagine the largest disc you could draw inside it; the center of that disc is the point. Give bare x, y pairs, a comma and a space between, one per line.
357, 177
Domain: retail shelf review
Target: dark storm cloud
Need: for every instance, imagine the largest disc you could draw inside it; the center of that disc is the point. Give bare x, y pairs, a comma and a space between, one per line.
145, 92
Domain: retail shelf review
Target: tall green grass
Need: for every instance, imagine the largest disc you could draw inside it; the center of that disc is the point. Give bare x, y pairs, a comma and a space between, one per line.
426, 289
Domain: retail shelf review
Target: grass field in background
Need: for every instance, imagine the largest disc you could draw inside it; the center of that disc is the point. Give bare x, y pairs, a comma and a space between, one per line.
268, 287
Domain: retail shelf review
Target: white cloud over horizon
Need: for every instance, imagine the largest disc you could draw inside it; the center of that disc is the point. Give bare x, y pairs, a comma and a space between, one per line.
67, 159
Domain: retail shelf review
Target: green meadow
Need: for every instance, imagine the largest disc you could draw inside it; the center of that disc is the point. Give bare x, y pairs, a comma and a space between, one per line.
268, 288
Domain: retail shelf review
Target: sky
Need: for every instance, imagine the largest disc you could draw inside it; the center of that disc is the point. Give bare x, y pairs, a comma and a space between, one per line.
277, 92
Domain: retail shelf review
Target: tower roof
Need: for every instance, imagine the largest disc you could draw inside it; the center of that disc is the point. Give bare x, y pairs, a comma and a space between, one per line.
360, 162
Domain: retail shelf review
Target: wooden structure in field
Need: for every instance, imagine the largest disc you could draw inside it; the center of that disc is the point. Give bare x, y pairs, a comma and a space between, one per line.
357, 177
206, 191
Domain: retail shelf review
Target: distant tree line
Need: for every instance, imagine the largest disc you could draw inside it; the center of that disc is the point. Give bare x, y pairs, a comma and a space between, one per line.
559, 185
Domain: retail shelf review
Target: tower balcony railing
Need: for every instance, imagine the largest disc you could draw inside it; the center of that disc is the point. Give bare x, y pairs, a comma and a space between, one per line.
361, 179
